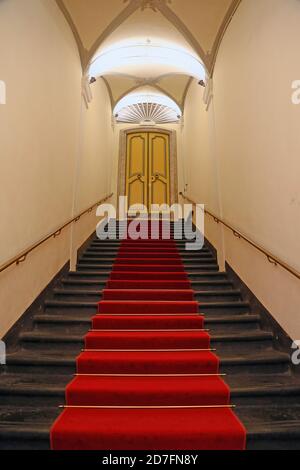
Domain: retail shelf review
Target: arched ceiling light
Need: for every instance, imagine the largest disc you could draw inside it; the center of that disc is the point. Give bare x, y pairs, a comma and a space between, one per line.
147, 109
146, 57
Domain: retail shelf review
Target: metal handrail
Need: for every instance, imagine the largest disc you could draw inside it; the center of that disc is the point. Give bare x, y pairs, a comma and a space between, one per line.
21, 257
270, 257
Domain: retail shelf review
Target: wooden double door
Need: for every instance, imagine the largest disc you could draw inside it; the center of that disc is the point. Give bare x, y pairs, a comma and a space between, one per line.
148, 168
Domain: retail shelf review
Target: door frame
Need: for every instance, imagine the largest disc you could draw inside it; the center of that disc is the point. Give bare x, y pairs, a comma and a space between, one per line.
173, 159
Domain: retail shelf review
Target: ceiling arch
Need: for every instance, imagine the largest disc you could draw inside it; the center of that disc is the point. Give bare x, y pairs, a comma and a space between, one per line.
201, 22
191, 27
174, 86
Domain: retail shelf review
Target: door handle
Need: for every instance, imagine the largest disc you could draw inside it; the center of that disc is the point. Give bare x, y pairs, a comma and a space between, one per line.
155, 178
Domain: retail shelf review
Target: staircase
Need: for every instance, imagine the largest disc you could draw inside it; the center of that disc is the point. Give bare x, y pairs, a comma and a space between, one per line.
42, 361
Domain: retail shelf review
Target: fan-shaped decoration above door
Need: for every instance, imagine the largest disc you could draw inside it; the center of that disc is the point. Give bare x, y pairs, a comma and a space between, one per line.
147, 109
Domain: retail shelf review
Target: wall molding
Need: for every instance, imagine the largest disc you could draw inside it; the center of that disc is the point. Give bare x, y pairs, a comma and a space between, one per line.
83, 53
212, 58
208, 93
86, 91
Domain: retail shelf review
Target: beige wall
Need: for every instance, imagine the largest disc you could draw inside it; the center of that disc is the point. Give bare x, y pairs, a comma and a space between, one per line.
201, 167
258, 146
46, 161
94, 162
39, 124
95, 148
258, 126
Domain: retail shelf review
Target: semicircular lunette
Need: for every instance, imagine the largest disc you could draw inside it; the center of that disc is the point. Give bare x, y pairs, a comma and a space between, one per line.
147, 108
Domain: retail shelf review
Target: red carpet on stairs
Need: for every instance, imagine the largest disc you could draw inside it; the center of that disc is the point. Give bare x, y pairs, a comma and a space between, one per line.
147, 378
148, 362
148, 390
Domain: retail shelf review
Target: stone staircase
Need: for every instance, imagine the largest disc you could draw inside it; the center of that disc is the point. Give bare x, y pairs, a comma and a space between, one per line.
43, 349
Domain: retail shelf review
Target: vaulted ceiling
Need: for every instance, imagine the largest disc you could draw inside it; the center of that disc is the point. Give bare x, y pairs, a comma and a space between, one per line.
197, 26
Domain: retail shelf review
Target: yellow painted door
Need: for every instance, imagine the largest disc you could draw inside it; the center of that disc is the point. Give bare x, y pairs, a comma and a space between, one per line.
148, 169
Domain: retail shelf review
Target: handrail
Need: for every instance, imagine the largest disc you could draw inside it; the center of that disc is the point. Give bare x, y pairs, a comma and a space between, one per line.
270, 257
21, 257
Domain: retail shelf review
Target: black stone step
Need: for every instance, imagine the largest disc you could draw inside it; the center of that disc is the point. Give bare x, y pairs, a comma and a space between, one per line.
83, 282
26, 427
241, 342
260, 386
95, 267
62, 319
265, 430
103, 275
21, 389
235, 343
113, 253
71, 304
271, 427
155, 230
113, 244
100, 253
24, 437
87, 284
116, 243
33, 385
199, 295
43, 359
194, 276
69, 318
214, 284
202, 275
194, 260
269, 361
79, 324
105, 266
234, 319
230, 307
49, 337
238, 306
73, 294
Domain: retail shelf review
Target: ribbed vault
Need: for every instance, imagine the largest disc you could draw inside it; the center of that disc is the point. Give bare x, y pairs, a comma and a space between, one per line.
201, 23
197, 26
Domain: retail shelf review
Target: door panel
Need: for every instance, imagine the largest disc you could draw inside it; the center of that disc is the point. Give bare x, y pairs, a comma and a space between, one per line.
148, 169
159, 168
137, 169
159, 194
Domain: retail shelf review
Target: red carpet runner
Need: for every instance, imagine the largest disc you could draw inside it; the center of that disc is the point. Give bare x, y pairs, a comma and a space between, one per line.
148, 379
